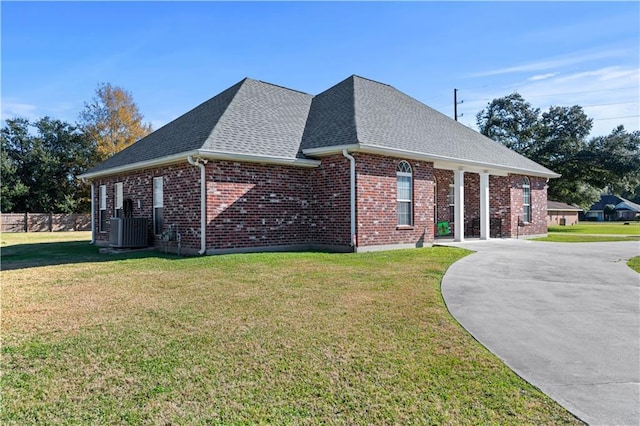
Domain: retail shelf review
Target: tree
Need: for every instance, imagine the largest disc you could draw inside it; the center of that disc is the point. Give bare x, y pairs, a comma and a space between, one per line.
557, 139
562, 147
615, 161
609, 211
40, 164
112, 120
511, 121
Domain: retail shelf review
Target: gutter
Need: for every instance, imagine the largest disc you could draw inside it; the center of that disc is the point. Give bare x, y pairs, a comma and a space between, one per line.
93, 213
93, 210
451, 162
199, 162
204, 155
352, 169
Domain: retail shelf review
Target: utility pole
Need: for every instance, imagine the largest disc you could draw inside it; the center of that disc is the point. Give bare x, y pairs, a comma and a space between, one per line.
455, 105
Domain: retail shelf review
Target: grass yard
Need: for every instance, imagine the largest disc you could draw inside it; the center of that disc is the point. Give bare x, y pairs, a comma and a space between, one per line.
289, 338
634, 263
582, 238
606, 228
590, 232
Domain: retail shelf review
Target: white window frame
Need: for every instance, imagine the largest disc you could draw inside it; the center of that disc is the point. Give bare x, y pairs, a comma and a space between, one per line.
118, 200
102, 212
158, 205
526, 199
403, 171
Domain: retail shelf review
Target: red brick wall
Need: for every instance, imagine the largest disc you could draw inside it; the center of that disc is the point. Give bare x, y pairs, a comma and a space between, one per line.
505, 197
377, 218
471, 199
555, 217
181, 190
255, 205
248, 205
330, 201
443, 179
538, 224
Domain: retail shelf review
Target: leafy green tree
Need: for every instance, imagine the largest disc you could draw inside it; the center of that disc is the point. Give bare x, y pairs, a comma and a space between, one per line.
112, 120
557, 139
511, 121
562, 147
43, 160
615, 161
609, 211
12, 189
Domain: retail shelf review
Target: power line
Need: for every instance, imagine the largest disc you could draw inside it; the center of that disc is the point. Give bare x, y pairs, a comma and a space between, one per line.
613, 103
616, 118
562, 94
585, 91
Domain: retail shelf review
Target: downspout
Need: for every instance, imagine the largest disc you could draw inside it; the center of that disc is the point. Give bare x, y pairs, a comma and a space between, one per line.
93, 211
352, 164
203, 202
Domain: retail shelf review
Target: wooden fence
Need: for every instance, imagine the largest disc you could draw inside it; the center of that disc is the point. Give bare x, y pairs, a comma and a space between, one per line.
44, 222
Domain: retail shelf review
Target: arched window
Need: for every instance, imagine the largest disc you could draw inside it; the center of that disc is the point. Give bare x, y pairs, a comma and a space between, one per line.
405, 193
526, 199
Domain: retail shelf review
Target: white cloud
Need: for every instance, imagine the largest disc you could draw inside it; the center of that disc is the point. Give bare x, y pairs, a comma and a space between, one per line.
18, 109
543, 76
554, 62
609, 95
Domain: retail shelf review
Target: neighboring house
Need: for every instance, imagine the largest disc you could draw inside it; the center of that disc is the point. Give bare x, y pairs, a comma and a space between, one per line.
624, 209
360, 166
562, 214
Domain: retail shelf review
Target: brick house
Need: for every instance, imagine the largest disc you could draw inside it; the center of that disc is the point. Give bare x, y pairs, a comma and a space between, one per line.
564, 214
360, 166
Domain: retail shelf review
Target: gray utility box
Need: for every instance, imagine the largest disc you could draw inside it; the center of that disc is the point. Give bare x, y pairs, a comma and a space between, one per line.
128, 232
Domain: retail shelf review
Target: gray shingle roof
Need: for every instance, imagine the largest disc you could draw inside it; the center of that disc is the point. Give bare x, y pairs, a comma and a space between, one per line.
614, 200
557, 205
250, 117
261, 119
386, 118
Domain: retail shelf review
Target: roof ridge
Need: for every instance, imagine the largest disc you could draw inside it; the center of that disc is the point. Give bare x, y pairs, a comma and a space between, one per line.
370, 79
279, 86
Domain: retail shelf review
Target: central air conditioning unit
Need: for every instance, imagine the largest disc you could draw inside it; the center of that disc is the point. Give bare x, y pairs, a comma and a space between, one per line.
128, 232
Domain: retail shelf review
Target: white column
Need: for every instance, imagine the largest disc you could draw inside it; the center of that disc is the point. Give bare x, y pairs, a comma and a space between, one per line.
458, 182
485, 232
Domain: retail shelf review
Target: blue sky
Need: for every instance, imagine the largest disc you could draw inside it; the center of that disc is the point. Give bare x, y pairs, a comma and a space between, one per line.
172, 56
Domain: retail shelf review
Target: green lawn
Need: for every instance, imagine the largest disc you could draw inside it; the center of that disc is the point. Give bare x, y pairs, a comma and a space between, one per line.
289, 338
611, 228
634, 263
557, 237
588, 232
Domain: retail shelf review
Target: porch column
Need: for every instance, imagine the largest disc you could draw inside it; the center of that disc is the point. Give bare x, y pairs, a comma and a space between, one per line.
458, 182
485, 230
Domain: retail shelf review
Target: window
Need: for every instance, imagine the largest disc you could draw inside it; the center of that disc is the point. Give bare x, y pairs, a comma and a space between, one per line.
102, 219
405, 194
452, 200
117, 190
157, 205
526, 199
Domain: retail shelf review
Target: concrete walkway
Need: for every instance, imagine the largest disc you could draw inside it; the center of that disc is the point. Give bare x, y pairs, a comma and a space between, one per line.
565, 317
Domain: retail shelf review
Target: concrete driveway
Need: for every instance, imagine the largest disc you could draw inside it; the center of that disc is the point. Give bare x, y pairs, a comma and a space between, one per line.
565, 317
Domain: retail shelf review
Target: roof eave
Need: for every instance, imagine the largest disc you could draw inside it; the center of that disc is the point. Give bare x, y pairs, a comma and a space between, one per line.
438, 160
248, 158
206, 154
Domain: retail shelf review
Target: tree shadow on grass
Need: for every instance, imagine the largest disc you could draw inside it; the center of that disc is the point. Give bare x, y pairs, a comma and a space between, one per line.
22, 256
